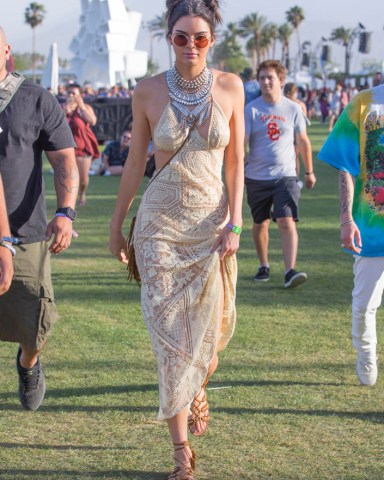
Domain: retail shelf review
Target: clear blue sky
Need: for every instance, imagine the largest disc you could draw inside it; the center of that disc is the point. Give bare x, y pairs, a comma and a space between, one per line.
321, 17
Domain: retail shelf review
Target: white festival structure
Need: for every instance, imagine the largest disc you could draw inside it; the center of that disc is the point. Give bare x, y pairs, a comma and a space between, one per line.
50, 78
104, 48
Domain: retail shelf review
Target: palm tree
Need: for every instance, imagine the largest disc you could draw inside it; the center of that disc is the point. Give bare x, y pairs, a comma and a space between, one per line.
34, 15
285, 32
295, 16
252, 26
227, 54
273, 34
232, 31
268, 39
344, 37
159, 29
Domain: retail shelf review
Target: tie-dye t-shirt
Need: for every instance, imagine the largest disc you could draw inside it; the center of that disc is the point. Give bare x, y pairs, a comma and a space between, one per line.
356, 145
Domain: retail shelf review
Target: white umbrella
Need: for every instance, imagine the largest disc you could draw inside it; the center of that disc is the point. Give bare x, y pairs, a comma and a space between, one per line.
50, 77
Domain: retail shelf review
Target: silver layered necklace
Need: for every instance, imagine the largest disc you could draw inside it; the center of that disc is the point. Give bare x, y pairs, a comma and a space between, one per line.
193, 92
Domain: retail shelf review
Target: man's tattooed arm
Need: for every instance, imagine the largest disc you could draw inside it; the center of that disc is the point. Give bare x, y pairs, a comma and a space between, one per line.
66, 176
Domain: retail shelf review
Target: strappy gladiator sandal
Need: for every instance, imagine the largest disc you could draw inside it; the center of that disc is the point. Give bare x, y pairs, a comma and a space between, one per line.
199, 410
185, 470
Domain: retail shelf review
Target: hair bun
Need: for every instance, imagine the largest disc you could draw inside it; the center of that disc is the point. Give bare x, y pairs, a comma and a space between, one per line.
213, 5
171, 4
206, 9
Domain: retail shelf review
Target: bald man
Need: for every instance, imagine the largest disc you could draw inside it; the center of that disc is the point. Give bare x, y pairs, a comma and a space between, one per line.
32, 122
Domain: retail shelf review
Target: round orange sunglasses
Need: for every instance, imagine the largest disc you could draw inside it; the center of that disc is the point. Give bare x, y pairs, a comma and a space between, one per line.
200, 40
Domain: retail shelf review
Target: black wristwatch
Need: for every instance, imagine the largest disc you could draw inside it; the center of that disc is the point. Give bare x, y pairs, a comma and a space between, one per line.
68, 212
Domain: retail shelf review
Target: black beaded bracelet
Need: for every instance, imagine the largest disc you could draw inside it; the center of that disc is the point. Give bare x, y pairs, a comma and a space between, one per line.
309, 173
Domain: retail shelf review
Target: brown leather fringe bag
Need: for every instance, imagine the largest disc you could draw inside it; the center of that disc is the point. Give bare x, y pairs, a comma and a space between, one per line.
133, 271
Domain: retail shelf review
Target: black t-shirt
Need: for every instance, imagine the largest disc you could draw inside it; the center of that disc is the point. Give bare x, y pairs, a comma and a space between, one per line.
32, 122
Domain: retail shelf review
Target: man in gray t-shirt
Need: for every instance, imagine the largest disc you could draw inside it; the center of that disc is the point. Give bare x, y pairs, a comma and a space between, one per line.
273, 125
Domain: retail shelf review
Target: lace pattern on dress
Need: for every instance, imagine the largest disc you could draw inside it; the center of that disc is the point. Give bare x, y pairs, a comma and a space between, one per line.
179, 218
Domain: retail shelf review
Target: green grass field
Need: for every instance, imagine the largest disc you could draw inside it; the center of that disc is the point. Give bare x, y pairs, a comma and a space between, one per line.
285, 401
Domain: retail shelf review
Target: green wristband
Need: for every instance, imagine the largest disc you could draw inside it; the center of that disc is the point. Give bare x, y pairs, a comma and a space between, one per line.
234, 228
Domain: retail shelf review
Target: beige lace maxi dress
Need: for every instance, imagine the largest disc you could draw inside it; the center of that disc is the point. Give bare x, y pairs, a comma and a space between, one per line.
181, 213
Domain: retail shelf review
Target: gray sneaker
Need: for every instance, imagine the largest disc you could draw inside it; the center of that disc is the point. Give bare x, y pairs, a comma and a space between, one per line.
366, 369
31, 384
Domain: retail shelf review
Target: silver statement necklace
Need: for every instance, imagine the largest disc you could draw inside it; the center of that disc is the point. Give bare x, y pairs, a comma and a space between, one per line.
196, 92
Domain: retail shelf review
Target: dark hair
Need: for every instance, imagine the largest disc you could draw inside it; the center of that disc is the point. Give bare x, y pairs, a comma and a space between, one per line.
208, 10
276, 65
75, 85
289, 89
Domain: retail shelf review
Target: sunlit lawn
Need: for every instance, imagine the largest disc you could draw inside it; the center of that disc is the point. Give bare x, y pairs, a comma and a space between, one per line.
285, 402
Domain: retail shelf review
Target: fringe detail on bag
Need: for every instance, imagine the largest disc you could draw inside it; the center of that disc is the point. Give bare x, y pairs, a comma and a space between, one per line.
133, 272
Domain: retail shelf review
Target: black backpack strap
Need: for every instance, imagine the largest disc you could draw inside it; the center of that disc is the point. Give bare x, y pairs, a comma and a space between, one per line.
9, 87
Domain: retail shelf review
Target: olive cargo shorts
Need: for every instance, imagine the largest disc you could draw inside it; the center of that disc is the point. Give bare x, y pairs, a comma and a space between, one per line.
28, 310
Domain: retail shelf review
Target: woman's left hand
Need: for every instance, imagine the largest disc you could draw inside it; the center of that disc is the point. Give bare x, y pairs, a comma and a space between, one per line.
227, 243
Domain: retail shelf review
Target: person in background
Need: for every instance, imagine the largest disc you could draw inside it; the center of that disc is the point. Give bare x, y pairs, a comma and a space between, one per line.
115, 155
6, 248
272, 124
32, 123
356, 148
377, 79
338, 103
81, 117
61, 95
324, 105
251, 85
290, 91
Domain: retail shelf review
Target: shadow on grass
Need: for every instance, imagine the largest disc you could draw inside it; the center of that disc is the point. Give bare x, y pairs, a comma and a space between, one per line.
82, 408
60, 447
75, 474
374, 417
89, 391
124, 389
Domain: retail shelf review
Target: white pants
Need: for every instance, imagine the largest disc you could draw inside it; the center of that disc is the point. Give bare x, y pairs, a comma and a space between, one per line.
366, 299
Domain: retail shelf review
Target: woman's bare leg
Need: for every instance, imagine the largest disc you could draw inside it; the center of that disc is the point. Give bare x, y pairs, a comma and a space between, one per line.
83, 164
178, 428
199, 427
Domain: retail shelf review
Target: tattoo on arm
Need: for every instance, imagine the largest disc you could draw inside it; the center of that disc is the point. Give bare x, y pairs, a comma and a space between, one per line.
65, 171
68, 179
346, 190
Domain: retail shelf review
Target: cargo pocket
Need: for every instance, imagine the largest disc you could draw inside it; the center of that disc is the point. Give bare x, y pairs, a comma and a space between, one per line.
47, 314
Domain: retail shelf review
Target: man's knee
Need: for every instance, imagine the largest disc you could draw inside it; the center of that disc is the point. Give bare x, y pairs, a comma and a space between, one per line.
286, 223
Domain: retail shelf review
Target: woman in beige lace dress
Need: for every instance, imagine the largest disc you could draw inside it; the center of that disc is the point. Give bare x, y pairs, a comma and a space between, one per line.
188, 224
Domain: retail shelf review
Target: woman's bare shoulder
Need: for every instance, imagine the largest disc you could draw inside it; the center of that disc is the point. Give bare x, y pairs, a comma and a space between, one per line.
228, 81
149, 87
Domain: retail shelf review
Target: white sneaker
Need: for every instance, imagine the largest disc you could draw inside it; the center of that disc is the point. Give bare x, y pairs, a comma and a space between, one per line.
366, 368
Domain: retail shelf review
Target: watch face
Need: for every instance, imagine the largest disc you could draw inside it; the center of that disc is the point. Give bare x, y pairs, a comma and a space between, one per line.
68, 211
71, 213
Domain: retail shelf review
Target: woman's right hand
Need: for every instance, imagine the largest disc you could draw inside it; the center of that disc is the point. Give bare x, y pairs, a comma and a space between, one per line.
118, 246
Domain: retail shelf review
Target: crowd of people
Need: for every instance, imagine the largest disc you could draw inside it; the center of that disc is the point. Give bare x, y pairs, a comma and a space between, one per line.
190, 121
